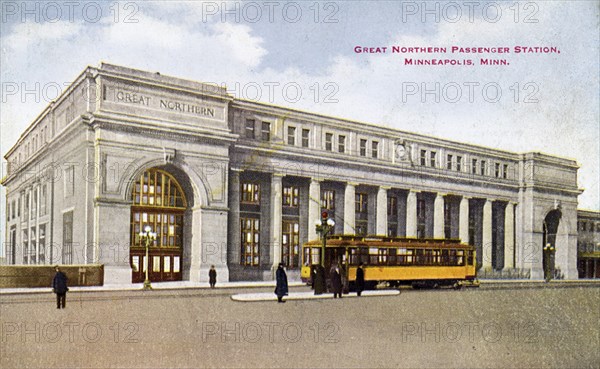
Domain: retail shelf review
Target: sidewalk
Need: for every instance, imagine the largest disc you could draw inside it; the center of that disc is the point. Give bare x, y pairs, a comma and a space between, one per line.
490, 283
310, 295
156, 286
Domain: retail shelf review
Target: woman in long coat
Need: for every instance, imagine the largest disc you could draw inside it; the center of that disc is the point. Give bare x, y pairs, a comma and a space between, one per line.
281, 288
319, 283
336, 282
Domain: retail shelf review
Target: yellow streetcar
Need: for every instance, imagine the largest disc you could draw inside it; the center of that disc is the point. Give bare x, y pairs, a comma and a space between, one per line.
397, 261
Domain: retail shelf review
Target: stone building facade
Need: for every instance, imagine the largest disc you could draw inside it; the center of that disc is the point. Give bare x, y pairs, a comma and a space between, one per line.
239, 185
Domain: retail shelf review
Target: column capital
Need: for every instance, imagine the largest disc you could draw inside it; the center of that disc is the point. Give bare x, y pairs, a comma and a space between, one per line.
353, 184
386, 188
316, 180
277, 175
410, 190
440, 194
466, 197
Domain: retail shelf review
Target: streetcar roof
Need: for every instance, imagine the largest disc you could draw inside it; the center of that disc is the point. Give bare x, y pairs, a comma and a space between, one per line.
374, 241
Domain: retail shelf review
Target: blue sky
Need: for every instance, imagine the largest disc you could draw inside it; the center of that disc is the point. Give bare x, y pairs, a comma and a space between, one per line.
309, 60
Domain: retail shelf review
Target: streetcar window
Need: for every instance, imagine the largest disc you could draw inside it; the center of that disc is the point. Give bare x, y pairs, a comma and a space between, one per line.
306, 256
392, 257
460, 260
382, 259
315, 257
446, 257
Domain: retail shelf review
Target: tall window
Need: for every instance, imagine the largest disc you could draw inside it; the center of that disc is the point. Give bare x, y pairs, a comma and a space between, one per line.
42, 244
449, 161
159, 203
34, 204
342, 143
291, 136
420, 218
375, 149
363, 147
362, 202
290, 242
250, 193
423, 157
32, 246
497, 169
19, 207
25, 246
305, 137
474, 166
505, 171
266, 131
482, 167
13, 210
250, 241
459, 163
447, 219
250, 128
432, 162
392, 207
44, 200
328, 199
26, 206
290, 196
329, 141
67, 251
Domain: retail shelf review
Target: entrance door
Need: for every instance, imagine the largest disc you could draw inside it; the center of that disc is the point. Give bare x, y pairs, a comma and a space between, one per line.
158, 203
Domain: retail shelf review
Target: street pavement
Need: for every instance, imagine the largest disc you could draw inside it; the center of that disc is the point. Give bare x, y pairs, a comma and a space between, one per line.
507, 327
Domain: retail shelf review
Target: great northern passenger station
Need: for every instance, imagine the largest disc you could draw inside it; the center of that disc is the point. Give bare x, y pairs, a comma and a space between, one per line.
239, 185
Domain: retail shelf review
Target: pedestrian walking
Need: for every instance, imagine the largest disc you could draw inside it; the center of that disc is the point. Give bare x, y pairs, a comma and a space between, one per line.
59, 287
360, 279
212, 276
336, 281
281, 288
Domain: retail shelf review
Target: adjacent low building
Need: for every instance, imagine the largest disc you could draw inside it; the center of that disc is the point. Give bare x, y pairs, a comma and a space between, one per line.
588, 243
239, 184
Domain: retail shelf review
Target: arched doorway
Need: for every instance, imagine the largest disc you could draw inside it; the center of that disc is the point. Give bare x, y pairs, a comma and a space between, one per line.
549, 237
158, 202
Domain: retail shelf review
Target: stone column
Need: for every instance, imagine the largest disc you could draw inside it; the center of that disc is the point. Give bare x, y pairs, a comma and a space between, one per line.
411, 214
463, 220
314, 208
275, 215
487, 234
509, 240
382, 221
234, 243
349, 209
438, 216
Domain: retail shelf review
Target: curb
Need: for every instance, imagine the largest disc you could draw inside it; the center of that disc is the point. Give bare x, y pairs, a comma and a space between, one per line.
255, 297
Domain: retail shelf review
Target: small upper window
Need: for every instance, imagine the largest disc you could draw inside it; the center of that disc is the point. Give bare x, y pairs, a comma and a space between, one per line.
291, 136
329, 141
266, 131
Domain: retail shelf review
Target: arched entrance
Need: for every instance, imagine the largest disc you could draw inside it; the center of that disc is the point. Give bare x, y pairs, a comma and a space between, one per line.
158, 202
549, 237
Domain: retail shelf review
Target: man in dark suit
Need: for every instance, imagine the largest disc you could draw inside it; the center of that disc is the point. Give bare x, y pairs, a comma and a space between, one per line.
360, 279
59, 287
212, 276
336, 281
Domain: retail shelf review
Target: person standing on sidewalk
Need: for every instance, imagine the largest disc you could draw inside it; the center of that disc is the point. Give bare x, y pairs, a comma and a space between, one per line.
336, 282
59, 287
212, 276
360, 279
281, 288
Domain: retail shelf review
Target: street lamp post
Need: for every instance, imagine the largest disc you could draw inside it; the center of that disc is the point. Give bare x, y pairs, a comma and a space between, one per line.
324, 227
548, 252
148, 237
